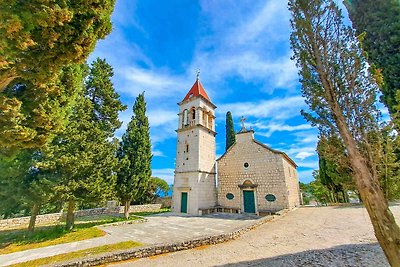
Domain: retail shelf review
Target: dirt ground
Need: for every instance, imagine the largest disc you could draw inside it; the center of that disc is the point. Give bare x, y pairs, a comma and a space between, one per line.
309, 236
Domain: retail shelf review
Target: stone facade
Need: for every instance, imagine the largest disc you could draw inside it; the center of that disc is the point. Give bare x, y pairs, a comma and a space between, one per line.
251, 166
251, 177
194, 180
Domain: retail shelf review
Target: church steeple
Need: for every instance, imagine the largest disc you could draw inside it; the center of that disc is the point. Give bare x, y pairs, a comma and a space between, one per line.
197, 90
194, 182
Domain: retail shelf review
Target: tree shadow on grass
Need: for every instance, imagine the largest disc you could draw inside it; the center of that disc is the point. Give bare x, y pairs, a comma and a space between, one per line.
357, 255
43, 233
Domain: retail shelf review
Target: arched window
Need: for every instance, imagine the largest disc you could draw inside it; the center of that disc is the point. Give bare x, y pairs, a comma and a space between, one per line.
185, 117
193, 113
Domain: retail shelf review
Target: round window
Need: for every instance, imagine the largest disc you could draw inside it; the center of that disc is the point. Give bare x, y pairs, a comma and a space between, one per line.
270, 198
246, 165
230, 196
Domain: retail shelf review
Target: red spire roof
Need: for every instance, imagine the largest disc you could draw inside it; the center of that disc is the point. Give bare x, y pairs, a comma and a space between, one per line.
197, 89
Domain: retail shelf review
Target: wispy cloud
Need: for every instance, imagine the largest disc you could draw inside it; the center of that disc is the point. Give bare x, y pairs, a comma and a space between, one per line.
277, 108
303, 155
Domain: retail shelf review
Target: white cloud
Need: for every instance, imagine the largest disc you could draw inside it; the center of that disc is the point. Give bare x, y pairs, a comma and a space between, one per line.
277, 127
277, 108
159, 117
166, 174
303, 155
158, 153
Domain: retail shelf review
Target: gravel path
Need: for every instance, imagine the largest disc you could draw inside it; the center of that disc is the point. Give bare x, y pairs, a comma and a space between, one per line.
324, 236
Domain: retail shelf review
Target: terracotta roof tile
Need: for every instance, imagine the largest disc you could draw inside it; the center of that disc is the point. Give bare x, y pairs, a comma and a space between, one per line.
196, 90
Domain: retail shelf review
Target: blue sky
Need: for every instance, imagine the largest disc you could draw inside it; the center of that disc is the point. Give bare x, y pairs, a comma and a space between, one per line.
242, 50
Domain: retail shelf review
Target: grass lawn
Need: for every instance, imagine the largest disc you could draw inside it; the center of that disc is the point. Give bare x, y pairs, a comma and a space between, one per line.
19, 240
152, 212
79, 254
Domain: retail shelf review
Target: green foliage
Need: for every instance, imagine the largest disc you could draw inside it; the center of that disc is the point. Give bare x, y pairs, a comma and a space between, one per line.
83, 155
389, 167
379, 20
21, 183
28, 118
334, 169
134, 155
161, 186
230, 137
38, 40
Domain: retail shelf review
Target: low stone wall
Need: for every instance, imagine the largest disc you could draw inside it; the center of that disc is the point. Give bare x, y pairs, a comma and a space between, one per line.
142, 208
55, 218
23, 222
157, 249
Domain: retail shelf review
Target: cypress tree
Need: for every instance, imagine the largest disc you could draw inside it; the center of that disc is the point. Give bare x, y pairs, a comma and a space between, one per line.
380, 21
38, 39
134, 154
340, 92
83, 155
229, 131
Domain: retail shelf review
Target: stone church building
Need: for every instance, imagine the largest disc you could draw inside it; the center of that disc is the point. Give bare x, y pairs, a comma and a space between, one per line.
250, 177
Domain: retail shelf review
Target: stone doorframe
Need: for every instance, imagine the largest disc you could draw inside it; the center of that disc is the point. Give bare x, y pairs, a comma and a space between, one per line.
248, 185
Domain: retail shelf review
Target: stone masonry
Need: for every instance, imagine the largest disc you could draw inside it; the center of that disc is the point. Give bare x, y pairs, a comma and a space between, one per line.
251, 177
250, 165
195, 156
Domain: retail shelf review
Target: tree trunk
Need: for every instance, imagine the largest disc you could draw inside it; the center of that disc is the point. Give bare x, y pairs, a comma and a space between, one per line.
126, 209
385, 227
70, 215
6, 77
34, 212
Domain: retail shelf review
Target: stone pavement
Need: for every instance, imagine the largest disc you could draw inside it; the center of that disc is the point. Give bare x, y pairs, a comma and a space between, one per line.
160, 228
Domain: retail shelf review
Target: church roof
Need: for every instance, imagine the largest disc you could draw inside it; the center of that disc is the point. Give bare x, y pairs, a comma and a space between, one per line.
283, 154
196, 90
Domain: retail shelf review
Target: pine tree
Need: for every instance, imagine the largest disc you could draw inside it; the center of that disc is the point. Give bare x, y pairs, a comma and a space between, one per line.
341, 93
134, 154
83, 155
22, 186
38, 39
229, 131
380, 21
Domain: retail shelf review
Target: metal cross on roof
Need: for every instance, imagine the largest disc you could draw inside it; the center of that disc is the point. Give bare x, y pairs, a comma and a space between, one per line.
243, 120
198, 74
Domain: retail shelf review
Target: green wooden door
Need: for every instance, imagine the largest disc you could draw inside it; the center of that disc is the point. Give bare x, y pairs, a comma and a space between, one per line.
184, 197
248, 202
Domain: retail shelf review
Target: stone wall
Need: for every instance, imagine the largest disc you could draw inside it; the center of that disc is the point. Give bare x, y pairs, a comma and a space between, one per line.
265, 174
55, 218
158, 249
23, 222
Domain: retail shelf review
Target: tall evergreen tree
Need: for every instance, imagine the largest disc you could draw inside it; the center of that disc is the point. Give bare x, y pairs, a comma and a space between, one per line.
134, 154
83, 156
22, 187
229, 131
380, 21
341, 93
38, 39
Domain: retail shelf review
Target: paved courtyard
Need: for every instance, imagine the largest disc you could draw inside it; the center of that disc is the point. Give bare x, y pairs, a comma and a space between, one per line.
316, 236
160, 228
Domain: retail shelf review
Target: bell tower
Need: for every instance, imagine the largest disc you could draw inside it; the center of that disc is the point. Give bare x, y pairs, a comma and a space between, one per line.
194, 180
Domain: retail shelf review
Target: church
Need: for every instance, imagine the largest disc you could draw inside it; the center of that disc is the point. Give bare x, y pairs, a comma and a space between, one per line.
249, 177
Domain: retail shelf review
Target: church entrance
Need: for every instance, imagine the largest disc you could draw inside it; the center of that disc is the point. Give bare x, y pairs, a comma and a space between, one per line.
248, 201
184, 198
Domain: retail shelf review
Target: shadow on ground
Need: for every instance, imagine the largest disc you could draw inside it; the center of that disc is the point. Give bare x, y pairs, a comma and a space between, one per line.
361, 255
230, 216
